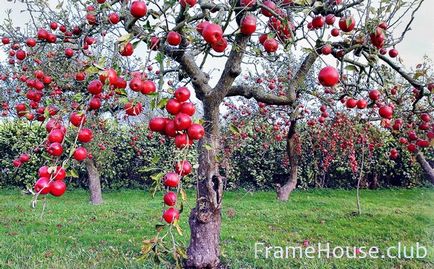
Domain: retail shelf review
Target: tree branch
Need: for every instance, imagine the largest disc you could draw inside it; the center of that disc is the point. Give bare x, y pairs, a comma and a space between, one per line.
232, 67
259, 94
301, 74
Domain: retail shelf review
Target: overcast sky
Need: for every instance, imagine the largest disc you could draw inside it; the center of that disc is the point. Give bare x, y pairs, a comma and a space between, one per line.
418, 42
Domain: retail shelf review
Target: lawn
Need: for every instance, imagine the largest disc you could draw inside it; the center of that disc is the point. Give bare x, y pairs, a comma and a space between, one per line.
73, 234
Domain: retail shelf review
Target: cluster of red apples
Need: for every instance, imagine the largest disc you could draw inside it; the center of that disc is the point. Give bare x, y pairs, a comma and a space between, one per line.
329, 77
184, 131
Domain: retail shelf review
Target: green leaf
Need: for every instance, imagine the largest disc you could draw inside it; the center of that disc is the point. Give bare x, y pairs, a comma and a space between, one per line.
349, 21
351, 67
121, 92
147, 169
157, 177
208, 147
162, 103
91, 70
178, 228
59, 5
78, 97
159, 58
234, 129
183, 194
72, 173
124, 38
155, 159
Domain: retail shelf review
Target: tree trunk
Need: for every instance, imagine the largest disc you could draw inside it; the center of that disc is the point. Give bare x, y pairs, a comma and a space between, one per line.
284, 191
429, 171
94, 182
205, 219
374, 183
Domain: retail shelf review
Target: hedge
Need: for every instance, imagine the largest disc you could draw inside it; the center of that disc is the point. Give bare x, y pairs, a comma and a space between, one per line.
134, 158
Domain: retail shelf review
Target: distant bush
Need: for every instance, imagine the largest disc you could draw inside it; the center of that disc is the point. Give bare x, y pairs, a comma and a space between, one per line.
257, 160
126, 157
131, 157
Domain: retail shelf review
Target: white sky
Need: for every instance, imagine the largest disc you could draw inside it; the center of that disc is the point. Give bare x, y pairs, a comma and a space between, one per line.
418, 42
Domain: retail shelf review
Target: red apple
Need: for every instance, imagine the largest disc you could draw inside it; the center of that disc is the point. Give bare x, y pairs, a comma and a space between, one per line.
182, 94
386, 112
361, 104
57, 188
56, 135
248, 24
393, 53
173, 106
94, 103
170, 215
347, 23
374, 95
85, 135
220, 45
138, 9
351, 103
114, 18
157, 124
328, 76
148, 87
270, 5
196, 132
173, 38
77, 118
95, 87
80, 154
182, 121
183, 168
188, 108
170, 198
212, 33
42, 186
171, 179
55, 149
271, 45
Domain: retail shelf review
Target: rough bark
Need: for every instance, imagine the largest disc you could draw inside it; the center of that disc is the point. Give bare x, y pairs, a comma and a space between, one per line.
205, 219
429, 171
94, 182
284, 191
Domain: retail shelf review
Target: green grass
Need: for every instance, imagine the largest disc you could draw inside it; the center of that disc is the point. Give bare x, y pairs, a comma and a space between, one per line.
73, 234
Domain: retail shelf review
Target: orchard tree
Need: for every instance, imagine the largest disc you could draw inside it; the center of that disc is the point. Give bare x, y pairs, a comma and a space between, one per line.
188, 42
